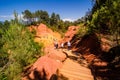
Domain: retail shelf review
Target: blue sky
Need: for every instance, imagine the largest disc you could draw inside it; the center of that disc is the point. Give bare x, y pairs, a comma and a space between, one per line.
67, 9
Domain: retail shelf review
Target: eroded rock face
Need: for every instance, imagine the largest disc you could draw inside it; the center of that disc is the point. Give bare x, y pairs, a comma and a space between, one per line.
42, 30
43, 69
46, 67
72, 30
105, 44
56, 54
45, 34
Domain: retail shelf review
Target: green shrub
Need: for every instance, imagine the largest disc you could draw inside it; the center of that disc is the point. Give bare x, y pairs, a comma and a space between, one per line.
21, 50
83, 30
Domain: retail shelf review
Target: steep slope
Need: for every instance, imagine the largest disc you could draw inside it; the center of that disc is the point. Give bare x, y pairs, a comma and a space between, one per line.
95, 49
101, 53
72, 30
46, 66
45, 34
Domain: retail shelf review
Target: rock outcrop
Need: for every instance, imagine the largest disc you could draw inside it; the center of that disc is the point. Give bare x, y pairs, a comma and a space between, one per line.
45, 34
72, 30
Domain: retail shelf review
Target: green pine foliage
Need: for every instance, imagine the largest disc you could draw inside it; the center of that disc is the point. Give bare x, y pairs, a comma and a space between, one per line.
53, 21
83, 30
106, 17
19, 50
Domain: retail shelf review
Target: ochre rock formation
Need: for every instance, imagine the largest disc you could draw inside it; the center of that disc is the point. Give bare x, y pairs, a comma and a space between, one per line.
45, 34
72, 30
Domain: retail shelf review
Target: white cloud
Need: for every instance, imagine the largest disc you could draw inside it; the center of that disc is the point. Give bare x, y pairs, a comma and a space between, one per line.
9, 17
6, 17
68, 19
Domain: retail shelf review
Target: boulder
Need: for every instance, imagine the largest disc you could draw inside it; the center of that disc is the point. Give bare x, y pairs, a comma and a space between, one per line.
43, 69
